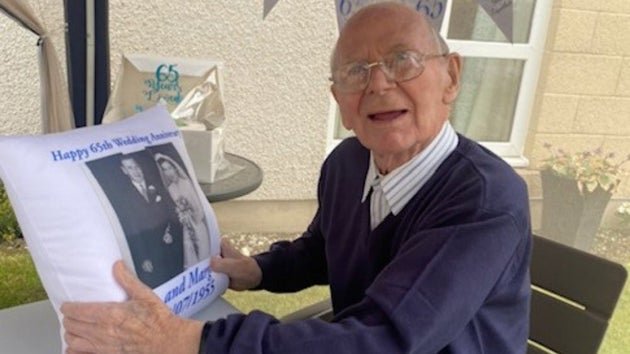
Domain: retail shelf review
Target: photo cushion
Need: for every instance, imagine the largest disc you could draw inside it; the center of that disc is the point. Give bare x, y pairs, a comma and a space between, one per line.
126, 190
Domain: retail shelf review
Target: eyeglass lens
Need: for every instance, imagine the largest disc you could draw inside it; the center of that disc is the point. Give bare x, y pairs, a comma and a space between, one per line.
398, 66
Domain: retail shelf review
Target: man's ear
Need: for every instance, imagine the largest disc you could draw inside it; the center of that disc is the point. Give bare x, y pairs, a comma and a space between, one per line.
346, 124
334, 93
454, 70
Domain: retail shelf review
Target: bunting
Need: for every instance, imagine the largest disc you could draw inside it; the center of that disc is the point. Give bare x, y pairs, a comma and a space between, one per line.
500, 11
434, 9
268, 5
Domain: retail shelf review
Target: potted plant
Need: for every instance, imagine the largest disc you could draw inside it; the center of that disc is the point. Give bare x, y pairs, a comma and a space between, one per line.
576, 190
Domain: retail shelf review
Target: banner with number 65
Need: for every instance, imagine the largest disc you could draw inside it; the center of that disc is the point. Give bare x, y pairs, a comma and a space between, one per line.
501, 11
434, 9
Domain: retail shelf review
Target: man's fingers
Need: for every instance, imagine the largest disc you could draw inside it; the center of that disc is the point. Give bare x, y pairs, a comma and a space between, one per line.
228, 261
78, 344
221, 265
78, 331
70, 351
85, 312
228, 250
134, 288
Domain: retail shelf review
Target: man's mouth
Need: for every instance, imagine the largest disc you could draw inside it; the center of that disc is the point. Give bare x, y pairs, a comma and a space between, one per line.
387, 116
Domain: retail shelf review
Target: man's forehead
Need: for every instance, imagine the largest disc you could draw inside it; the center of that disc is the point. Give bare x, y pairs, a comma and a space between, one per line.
389, 12
381, 38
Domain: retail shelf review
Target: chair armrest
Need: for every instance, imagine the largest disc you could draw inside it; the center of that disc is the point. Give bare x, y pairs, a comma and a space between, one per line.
321, 310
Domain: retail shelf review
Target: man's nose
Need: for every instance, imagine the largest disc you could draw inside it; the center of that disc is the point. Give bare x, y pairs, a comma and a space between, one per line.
379, 80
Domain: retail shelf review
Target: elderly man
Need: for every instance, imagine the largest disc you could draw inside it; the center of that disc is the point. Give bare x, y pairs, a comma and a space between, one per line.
422, 234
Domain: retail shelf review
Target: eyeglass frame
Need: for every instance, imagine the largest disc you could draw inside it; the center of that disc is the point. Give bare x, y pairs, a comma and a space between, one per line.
422, 59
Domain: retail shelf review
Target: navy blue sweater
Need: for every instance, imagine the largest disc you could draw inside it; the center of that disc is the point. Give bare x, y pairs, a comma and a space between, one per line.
448, 274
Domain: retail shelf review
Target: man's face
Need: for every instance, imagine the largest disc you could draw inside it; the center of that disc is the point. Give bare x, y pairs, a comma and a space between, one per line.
130, 168
395, 120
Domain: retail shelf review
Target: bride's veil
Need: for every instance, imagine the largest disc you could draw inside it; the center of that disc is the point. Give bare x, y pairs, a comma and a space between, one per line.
181, 173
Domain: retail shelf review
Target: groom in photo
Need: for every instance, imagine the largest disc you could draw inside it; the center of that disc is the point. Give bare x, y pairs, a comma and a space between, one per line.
148, 218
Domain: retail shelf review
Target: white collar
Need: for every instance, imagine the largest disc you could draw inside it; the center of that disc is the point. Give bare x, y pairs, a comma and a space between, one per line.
402, 183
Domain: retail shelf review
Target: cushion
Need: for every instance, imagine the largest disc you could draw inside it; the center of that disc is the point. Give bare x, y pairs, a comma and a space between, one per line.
126, 190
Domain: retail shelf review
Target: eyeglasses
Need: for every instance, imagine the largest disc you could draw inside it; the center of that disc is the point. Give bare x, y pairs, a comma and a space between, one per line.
397, 66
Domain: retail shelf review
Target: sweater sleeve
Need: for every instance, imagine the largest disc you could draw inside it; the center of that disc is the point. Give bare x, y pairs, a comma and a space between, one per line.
294, 265
290, 266
440, 282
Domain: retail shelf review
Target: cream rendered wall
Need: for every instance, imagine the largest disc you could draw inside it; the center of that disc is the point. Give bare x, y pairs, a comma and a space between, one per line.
19, 67
19, 79
276, 89
275, 78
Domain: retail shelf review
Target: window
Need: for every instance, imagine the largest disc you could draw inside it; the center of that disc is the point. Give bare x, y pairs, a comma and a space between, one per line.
499, 78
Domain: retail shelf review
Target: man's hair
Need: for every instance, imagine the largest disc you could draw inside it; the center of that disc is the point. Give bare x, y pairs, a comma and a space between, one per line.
127, 157
439, 41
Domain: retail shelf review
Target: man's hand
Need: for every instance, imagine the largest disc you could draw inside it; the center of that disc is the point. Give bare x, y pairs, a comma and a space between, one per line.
142, 324
243, 271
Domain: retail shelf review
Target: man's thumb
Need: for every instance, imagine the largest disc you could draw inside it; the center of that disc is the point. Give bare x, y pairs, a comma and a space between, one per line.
129, 282
228, 250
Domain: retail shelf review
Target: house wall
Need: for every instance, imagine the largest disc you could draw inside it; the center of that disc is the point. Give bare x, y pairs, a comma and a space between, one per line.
275, 79
276, 90
583, 98
277, 93
19, 83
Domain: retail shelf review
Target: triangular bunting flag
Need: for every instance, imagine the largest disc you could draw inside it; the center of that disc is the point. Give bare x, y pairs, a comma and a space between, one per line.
269, 4
433, 9
501, 12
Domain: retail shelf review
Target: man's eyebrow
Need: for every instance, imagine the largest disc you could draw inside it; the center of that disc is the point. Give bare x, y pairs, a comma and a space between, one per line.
390, 51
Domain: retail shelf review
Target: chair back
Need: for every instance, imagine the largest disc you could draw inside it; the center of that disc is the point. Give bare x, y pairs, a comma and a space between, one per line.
574, 294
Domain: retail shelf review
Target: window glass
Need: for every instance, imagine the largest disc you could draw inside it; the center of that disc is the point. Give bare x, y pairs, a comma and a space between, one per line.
469, 21
484, 110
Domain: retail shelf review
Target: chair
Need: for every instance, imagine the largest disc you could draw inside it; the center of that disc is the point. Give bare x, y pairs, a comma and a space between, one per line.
321, 310
574, 295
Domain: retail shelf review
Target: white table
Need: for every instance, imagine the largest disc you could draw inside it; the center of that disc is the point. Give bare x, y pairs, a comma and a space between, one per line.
34, 329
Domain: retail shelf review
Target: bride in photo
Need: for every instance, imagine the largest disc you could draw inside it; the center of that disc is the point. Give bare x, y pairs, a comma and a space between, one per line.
188, 207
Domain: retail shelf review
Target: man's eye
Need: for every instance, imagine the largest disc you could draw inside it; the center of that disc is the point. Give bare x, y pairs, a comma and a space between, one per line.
402, 56
402, 59
356, 70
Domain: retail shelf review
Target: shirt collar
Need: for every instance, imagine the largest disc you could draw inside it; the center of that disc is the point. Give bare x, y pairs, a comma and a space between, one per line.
370, 176
140, 185
401, 184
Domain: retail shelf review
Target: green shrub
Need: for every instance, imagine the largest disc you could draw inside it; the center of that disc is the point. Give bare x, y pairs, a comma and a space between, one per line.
9, 228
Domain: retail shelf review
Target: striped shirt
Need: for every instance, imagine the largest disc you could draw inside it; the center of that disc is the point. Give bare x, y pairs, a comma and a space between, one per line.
391, 192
